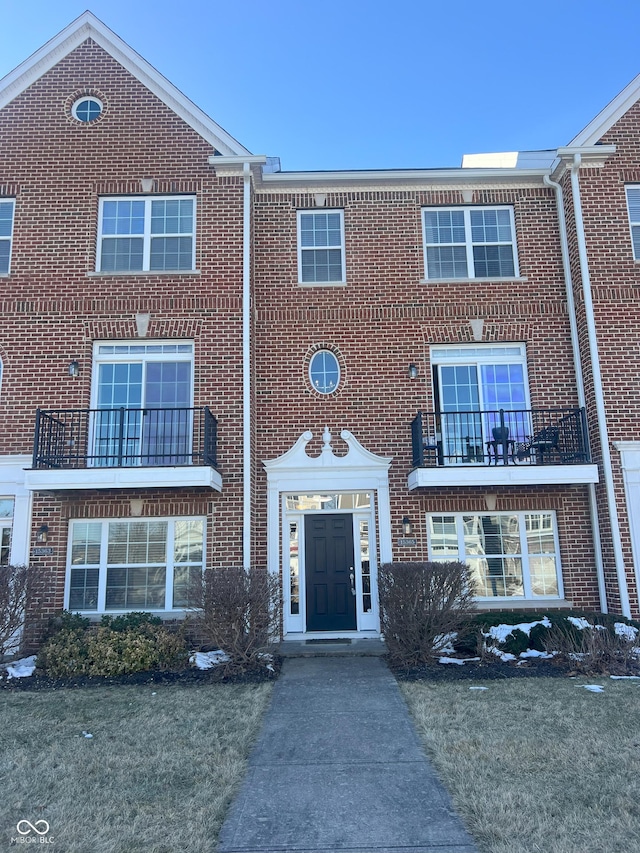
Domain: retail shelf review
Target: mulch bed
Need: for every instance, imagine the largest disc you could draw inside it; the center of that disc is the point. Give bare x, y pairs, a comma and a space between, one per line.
484, 670
190, 677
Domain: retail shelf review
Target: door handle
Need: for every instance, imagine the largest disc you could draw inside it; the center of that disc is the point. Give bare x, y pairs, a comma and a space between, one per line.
352, 579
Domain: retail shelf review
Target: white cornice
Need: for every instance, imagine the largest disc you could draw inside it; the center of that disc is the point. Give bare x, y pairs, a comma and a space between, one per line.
87, 26
591, 157
459, 178
607, 117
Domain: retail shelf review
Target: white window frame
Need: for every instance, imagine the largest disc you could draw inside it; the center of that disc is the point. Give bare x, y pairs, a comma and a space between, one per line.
469, 244
83, 100
169, 565
341, 247
477, 355
314, 358
146, 236
143, 351
523, 555
8, 238
632, 193
6, 524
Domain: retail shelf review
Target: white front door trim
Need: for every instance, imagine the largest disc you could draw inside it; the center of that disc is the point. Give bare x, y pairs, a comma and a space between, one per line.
295, 472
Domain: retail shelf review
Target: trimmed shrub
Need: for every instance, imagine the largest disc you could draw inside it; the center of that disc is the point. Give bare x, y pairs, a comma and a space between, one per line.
105, 650
239, 613
421, 605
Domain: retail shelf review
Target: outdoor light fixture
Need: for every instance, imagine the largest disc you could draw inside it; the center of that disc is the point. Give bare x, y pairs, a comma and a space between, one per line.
407, 527
74, 369
413, 371
43, 533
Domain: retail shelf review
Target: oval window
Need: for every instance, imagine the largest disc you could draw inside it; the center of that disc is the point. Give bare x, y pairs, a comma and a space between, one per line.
86, 109
324, 372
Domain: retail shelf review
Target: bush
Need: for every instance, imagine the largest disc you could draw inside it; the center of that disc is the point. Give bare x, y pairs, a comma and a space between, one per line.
239, 613
594, 651
119, 646
16, 583
421, 605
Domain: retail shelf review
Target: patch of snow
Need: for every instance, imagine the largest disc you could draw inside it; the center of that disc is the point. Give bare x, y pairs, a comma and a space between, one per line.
459, 661
581, 623
87, 734
501, 632
504, 656
627, 631
478, 688
534, 653
21, 668
207, 660
593, 688
625, 677
444, 642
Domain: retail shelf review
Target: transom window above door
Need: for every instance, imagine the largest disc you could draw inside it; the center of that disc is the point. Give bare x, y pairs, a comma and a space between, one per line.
142, 397
469, 242
146, 234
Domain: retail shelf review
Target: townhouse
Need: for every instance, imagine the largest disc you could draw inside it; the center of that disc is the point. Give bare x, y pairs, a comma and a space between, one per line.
209, 361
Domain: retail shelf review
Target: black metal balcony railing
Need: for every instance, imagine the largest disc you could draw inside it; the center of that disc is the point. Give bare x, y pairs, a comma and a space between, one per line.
122, 438
501, 437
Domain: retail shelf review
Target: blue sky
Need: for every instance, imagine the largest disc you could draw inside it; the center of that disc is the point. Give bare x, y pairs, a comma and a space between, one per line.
349, 84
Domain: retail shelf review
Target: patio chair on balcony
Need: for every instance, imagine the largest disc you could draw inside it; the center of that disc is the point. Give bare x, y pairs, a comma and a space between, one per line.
501, 447
543, 443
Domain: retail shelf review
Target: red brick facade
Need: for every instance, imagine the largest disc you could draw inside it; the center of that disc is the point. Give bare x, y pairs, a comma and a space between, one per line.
55, 307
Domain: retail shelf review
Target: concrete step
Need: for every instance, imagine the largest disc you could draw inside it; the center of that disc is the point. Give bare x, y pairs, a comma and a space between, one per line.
356, 647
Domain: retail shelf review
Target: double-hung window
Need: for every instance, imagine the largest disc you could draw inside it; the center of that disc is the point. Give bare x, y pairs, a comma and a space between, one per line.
321, 247
469, 242
7, 206
510, 554
148, 234
138, 564
633, 205
478, 389
142, 401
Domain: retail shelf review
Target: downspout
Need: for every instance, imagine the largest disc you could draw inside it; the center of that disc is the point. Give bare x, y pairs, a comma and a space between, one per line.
598, 392
246, 368
582, 400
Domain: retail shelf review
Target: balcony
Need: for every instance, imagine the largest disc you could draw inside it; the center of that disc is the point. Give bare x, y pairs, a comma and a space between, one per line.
124, 448
501, 447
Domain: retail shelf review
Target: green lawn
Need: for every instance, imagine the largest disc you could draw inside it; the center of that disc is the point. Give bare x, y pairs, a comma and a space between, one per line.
157, 775
537, 765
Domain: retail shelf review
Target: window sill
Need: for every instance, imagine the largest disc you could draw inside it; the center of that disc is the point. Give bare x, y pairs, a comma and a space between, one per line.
471, 280
511, 603
128, 273
322, 284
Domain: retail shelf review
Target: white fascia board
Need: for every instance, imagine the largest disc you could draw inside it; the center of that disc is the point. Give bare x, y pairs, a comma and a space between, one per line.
87, 26
425, 177
198, 476
607, 117
503, 475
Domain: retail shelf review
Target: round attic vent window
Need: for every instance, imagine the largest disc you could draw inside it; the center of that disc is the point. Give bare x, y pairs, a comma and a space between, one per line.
86, 109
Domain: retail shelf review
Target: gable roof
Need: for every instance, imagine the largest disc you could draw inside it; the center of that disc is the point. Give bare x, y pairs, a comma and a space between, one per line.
607, 117
87, 26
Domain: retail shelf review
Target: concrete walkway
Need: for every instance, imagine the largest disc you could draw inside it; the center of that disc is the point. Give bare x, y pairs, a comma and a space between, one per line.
338, 767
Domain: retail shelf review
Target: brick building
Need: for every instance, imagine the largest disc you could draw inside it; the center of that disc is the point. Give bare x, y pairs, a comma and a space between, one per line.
209, 361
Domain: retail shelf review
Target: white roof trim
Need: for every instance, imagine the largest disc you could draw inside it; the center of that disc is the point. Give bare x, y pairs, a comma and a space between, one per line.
607, 117
88, 26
